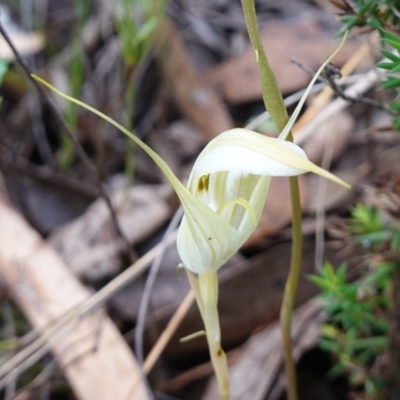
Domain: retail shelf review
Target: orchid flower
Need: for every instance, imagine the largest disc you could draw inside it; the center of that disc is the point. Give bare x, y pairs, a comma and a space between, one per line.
230, 181
222, 205
227, 189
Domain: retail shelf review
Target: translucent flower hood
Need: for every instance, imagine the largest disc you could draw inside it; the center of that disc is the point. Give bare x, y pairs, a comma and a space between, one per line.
230, 181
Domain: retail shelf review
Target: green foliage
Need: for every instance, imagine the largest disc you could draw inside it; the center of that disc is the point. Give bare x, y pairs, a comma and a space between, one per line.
352, 305
365, 220
3, 69
136, 21
82, 10
392, 64
358, 327
382, 15
376, 14
371, 231
76, 78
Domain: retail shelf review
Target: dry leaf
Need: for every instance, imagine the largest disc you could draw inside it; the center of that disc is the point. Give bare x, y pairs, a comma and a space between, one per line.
89, 244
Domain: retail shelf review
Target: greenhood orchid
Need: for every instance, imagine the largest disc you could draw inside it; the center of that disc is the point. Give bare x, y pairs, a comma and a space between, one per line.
227, 189
230, 179
222, 204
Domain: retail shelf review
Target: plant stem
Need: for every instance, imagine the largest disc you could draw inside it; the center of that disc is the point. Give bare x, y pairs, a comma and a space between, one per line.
129, 96
273, 101
289, 295
272, 95
206, 292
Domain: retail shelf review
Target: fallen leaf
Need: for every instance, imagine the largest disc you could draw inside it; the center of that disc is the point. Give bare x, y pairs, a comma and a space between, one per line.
89, 244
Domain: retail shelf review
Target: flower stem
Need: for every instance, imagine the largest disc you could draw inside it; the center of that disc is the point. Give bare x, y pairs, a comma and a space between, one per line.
273, 101
205, 289
272, 95
289, 295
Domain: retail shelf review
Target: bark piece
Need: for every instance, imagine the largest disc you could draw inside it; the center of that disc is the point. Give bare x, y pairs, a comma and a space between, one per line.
96, 360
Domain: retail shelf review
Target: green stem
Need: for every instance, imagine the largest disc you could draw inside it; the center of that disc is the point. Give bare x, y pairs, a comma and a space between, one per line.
273, 101
289, 295
206, 293
272, 95
129, 110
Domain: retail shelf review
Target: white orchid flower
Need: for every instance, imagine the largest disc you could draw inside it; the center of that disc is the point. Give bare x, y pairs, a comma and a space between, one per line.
230, 180
222, 205
227, 188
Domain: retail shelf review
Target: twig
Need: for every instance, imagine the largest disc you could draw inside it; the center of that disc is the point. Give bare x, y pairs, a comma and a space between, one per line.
323, 98
335, 88
148, 288
50, 372
331, 80
165, 337
38, 130
9, 328
78, 147
295, 97
144, 302
365, 100
25, 364
169, 330
360, 86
